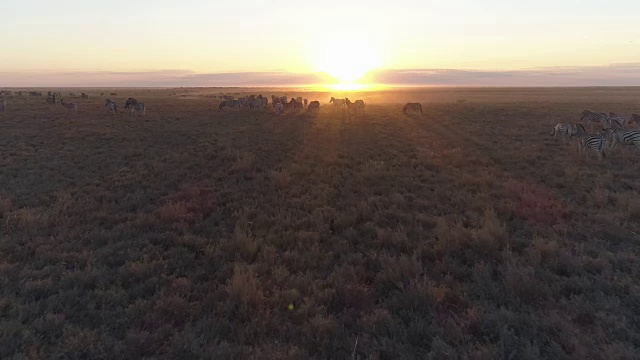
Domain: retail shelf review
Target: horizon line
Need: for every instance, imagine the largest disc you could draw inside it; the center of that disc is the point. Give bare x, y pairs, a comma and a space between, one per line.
621, 74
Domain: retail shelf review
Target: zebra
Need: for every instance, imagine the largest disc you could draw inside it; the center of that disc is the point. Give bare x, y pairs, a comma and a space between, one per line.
3, 105
414, 107
565, 130
306, 102
51, 99
595, 142
135, 106
258, 104
314, 106
279, 108
355, 106
338, 103
113, 94
111, 106
622, 136
293, 104
594, 117
84, 96
70, 106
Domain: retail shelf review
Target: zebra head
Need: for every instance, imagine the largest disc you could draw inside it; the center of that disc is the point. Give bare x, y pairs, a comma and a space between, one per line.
584, 114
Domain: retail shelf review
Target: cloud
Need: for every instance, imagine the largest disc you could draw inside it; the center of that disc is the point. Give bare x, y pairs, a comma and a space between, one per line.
610, 75
165, 78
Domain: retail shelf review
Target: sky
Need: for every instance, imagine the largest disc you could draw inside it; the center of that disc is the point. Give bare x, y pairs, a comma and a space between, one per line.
253, 42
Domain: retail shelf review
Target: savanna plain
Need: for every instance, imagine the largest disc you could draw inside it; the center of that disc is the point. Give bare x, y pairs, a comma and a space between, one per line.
467, 232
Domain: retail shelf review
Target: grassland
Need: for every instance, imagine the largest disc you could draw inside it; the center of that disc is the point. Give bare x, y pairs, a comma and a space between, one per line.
194, 233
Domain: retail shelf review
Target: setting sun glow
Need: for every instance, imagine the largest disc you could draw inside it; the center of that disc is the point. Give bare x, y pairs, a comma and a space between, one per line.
347, 61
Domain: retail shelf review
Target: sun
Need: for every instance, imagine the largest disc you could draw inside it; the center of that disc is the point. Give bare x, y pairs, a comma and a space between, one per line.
346, 59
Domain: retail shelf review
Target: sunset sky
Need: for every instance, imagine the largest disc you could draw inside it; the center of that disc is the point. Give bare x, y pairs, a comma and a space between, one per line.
202, 43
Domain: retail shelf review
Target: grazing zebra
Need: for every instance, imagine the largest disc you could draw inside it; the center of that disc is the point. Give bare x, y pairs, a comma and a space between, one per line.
622, 136
314, 106
111, 106
594, 118
596, 142
70, 106
84, 96
3, 105
51, 99
413, 107
565, 131
258, 104
293, 104
135, 106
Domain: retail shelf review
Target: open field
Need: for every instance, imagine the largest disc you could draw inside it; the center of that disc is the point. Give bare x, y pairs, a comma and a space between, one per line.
468, 232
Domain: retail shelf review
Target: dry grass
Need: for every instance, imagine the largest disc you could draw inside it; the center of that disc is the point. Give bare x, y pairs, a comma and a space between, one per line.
194, 233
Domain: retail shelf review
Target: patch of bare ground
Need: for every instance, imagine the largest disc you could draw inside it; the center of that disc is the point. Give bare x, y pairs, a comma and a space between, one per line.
468, 232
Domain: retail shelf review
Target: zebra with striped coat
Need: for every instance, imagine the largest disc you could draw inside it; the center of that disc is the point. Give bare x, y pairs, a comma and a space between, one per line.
135, 107
594, 118
595, 142
110, 106
565, 131
625, 137
70, 105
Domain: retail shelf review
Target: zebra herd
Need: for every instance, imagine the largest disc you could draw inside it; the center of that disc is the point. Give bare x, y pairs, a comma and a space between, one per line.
134, 106
281, 104
613, 130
